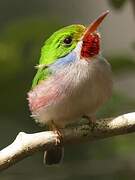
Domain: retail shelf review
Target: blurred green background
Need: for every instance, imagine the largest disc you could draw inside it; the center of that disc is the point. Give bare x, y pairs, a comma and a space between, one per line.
24, 25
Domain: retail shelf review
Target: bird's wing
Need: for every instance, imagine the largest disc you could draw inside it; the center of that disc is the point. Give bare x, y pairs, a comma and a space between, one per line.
41, 74
44, 71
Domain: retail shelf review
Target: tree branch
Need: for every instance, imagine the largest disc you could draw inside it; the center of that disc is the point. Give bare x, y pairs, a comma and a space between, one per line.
26, 144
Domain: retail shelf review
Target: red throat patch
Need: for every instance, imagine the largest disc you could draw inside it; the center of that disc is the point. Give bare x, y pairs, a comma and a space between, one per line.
90, 46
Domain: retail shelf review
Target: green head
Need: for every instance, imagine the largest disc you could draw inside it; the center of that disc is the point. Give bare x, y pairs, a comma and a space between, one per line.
61, 43
58, 45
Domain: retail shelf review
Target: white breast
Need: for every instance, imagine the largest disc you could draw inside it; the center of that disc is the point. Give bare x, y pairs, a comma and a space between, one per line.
86, 86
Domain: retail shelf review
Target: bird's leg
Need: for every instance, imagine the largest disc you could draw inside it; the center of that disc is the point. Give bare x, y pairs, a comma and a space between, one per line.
54, 155
56, 130
91, 119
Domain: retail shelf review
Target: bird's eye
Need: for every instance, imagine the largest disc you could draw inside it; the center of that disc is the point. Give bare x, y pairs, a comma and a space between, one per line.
68, 40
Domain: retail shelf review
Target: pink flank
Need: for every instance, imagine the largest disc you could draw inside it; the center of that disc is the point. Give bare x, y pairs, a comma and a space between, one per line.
46, 93
42, 101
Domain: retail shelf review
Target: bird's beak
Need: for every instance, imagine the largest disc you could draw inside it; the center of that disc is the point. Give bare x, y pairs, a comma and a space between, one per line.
94, 25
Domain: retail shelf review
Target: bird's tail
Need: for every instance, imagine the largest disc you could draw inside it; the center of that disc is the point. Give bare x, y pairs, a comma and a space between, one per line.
54, 155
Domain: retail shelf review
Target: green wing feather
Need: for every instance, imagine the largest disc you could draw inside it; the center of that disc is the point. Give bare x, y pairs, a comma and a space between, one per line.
41, 74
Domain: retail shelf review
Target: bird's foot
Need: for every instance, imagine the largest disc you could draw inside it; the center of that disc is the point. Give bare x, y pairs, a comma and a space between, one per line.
57, 131
92, 120
59, 138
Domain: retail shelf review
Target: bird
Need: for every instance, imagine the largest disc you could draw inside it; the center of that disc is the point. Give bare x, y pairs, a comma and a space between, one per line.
73, 80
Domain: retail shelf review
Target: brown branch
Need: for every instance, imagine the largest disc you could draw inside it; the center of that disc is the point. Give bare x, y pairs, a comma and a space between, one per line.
26, 144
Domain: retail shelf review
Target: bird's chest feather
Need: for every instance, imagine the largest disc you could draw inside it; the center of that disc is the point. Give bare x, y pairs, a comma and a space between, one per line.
75, 90
90, 84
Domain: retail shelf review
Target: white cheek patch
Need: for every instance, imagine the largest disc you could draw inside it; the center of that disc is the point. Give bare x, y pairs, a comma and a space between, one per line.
78, 48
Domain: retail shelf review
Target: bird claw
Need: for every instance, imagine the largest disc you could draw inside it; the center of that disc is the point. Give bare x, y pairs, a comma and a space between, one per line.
59, 138
91, 120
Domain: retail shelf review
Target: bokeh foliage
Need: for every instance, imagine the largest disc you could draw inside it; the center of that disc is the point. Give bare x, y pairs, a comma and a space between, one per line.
117, 4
